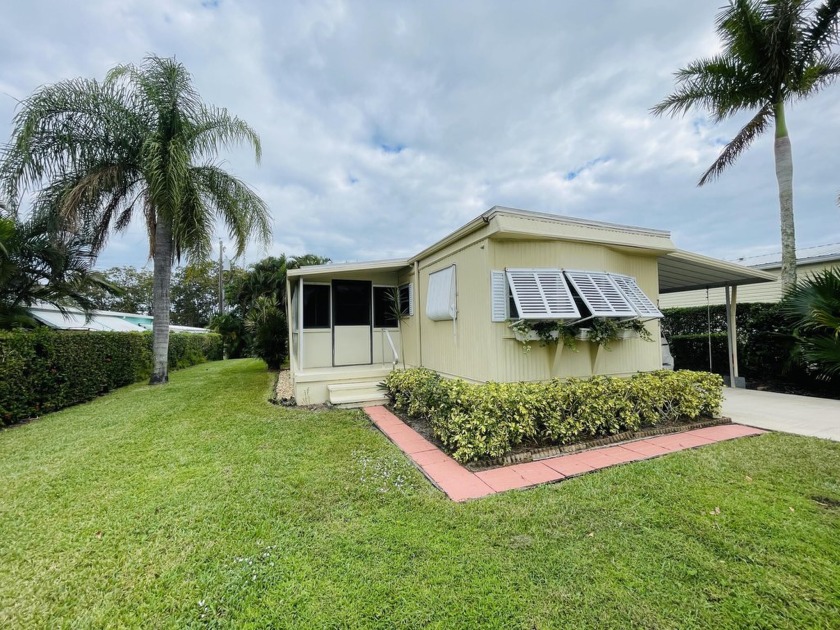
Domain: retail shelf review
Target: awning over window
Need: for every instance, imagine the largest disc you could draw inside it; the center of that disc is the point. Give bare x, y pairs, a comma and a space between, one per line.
440, 303
601, 294
541, 294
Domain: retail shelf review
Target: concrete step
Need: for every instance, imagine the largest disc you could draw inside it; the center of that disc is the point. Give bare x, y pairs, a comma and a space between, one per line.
358, 394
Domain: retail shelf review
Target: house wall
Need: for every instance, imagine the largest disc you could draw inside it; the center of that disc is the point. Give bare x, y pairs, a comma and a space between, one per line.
475, 348
761, 292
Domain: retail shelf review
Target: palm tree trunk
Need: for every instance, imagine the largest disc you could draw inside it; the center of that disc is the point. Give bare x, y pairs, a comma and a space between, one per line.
784, 176
160, 302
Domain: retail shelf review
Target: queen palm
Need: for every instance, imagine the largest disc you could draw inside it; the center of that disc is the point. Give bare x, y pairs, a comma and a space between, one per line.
774, 52
139, 143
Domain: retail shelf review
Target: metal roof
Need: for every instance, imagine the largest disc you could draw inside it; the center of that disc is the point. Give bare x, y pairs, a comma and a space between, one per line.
685, 271
75, 319
804, 256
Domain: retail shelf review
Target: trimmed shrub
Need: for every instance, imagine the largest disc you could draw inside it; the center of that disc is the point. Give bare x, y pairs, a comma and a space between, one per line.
45, 370
488, 420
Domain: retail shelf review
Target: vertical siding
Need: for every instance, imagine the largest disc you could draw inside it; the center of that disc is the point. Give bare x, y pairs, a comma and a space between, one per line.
478, 349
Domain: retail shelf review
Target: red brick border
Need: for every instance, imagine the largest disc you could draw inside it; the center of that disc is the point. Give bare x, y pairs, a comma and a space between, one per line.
460, 484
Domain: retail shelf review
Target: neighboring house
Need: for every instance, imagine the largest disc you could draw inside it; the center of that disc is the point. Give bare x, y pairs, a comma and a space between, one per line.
809, 260
459, 296
75, 319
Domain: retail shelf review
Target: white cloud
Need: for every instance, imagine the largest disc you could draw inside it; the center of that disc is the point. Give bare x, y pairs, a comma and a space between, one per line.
382, 115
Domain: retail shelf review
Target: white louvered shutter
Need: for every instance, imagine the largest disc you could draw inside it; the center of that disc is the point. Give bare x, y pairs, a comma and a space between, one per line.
600, 293
440, 301
541, 294
642, 303
410, 299
498, 296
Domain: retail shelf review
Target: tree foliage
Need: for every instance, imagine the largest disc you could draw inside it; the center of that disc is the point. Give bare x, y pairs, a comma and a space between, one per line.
814, 306
774, 52
142, 144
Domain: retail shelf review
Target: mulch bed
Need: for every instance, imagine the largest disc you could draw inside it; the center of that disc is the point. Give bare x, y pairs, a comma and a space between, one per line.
535, 452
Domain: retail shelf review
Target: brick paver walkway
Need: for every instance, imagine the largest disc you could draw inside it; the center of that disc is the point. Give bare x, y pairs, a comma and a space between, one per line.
460, 484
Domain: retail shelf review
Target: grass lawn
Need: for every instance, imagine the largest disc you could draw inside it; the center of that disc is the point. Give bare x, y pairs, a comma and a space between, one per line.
199, 503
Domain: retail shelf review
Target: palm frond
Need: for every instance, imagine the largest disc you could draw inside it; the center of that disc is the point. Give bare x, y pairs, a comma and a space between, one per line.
819, 34
739, 144
215, 128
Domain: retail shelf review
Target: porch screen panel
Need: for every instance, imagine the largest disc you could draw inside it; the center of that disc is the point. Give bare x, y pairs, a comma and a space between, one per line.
600, 293
642, 303
541, 294
440, 301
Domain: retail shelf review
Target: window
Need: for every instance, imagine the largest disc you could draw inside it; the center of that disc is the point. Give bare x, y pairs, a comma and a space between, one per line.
600, 294
407, 299
440, 302
383, 307
316, 306
531, 294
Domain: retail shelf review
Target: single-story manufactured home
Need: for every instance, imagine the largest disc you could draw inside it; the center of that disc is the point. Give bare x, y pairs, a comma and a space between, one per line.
450, 307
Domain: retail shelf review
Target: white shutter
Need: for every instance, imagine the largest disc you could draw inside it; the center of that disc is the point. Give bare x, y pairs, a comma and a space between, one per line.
440, 301
410, 299
541, 294
600, 293
642, 303
498, 296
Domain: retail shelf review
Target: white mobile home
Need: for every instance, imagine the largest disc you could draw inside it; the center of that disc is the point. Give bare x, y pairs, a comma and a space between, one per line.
457, 299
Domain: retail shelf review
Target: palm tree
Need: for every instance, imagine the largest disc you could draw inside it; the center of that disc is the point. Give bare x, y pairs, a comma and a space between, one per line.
814, 306
140, 142
39, 264
774, 52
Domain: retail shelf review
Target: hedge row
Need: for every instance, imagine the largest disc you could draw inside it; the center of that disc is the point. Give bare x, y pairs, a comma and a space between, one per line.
765, 342
488, 420
44, 370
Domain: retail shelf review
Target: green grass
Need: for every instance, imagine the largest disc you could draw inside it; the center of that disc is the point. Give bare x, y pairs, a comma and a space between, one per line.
132, 509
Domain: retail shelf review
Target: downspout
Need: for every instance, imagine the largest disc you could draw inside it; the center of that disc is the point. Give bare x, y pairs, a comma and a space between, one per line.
417, 312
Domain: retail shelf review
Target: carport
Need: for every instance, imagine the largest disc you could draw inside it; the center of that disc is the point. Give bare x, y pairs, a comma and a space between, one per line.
686, 271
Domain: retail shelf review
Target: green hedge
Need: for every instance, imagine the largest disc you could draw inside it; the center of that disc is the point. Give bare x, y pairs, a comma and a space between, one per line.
488, 420
45, 370
765, 342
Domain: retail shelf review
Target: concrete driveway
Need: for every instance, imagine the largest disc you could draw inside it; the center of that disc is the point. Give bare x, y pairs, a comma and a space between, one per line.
804, 415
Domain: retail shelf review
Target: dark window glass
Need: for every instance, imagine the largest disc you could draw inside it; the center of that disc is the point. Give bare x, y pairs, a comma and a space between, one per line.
405, 301
316, 306
383, 307
513, 312
351, 303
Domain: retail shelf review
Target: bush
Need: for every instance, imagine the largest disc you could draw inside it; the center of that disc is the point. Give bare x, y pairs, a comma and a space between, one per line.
45, 370
488, 420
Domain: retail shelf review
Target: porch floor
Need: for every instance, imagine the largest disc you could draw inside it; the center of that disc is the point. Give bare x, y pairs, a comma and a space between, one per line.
460, 484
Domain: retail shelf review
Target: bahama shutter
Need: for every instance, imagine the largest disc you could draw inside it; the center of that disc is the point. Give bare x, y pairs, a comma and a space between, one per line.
642, 303
498, 296
600, 293
440, 300
541, 294
410, 299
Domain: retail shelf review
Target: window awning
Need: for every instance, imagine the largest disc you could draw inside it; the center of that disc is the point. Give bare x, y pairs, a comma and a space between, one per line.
541, 294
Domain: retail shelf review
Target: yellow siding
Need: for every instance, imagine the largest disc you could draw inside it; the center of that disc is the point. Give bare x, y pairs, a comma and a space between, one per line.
762, 292
478, 349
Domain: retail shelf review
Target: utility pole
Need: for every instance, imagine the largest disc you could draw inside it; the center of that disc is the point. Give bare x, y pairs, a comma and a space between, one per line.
221, 281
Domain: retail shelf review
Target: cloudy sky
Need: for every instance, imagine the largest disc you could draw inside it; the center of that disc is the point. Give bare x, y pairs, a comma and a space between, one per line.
386, 125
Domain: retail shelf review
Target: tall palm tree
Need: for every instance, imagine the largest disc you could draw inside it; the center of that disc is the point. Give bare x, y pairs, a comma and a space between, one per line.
774, 52
140, 142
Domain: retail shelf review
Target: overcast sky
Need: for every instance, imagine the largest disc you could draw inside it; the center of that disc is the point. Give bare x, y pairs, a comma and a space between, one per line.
386, 125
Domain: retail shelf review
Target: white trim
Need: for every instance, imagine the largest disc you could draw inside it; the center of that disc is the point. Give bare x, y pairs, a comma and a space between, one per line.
498, 296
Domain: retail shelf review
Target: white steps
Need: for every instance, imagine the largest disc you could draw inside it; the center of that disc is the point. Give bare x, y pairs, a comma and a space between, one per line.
357, 394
